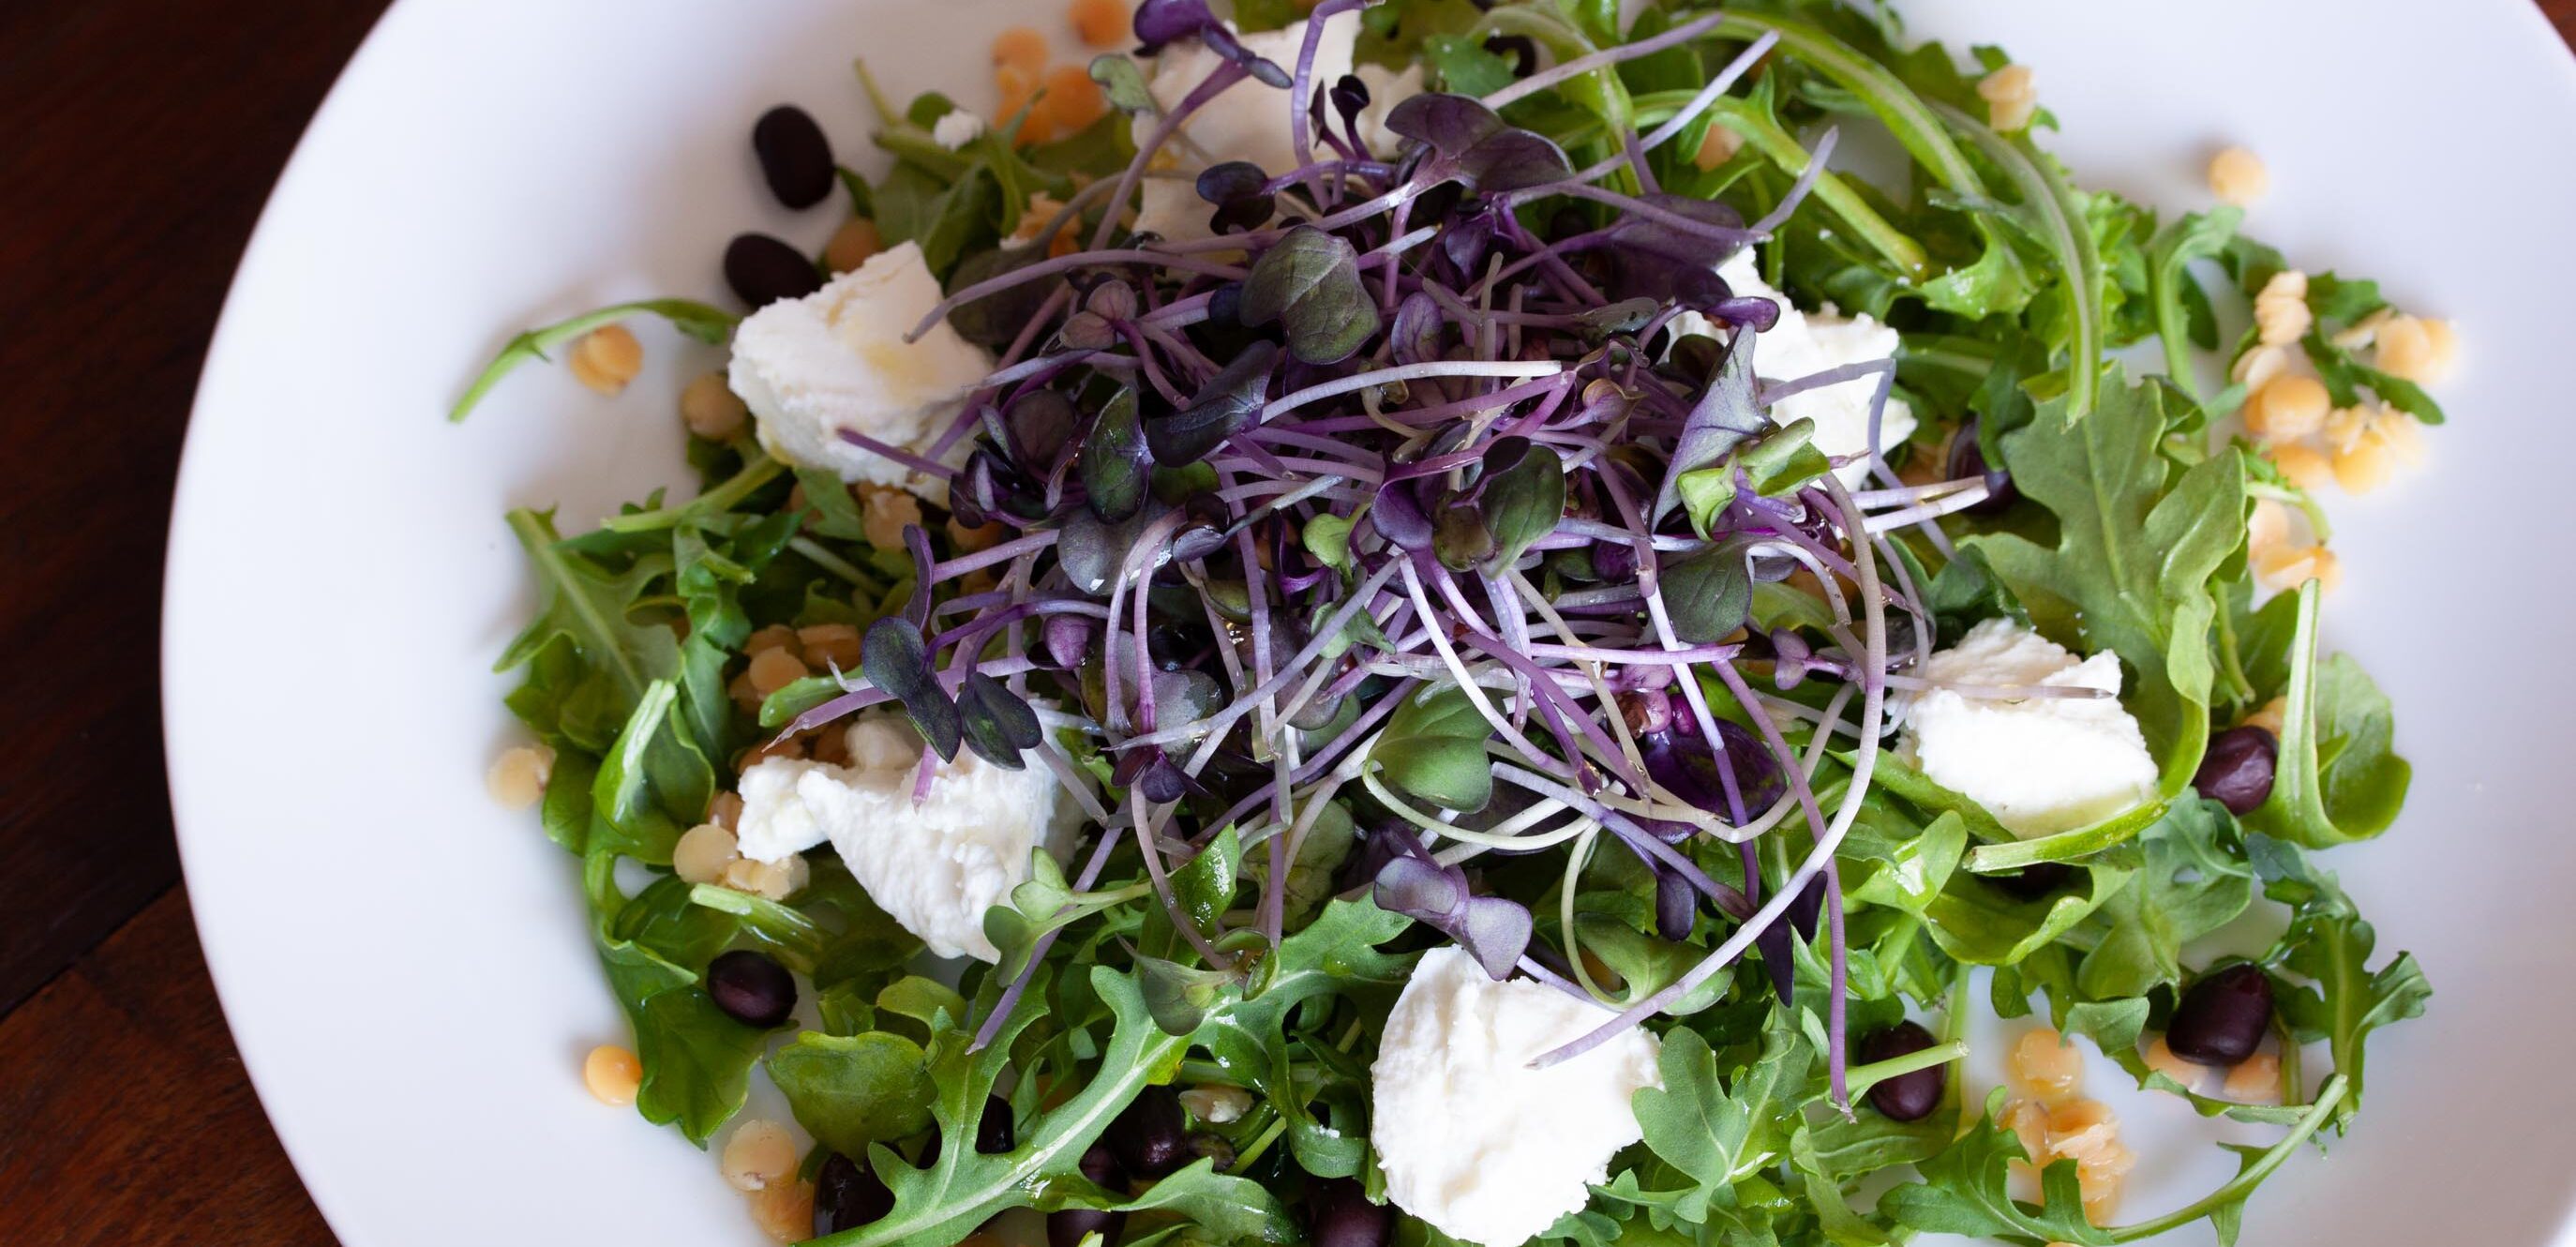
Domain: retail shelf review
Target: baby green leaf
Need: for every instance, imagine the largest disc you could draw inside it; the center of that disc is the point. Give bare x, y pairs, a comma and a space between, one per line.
1523, 497
2337, 779
1123, 83
1310, 282
2134, 557
1117, 465
1709, 592
850, 1091
1434, 748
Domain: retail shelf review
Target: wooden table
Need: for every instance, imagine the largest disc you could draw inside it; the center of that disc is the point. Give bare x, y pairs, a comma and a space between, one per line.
138, 139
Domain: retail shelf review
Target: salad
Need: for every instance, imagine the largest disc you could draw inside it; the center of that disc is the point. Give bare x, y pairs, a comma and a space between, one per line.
1412, 623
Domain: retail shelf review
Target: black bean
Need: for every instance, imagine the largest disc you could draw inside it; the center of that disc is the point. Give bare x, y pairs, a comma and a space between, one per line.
1906, 1097
794, 156
1338, 1214
1968, 458
2237, 770
993, 1133
1151, 1135
762, 270
1101, 1166
751, 988
1069, 1226
2033, 881
2222, 1016
847, 1195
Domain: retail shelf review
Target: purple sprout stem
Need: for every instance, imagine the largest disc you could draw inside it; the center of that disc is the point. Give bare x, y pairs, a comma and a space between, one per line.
1225, 76
930, 467
1581, 65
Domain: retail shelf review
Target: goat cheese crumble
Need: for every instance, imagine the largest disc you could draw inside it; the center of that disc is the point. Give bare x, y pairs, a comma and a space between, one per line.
2040, 765
934, 866
1805, 343
836, 359
956, 128
1472, 1139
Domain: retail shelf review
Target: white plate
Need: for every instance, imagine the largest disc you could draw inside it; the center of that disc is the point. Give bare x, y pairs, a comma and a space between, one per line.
405, 965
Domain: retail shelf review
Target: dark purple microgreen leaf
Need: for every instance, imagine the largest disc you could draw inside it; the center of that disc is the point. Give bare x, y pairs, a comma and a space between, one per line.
1656, 260
1117, 466
1418, 328
1222, 183
996, 723
1724, 417
1087, 330
1398, 516
1773, 942
1122, 82
1472, 146
1229, 403
1223, 42
1676, 904
1350, 98
1679, 759
893, 658
1161, 21
1041, 424
1493, 930
1471, 232
1090, 550
1111, 301
1708, 592
1204, 532
1309, 281
1234, 187
995, 320
1069, 638
1522, 495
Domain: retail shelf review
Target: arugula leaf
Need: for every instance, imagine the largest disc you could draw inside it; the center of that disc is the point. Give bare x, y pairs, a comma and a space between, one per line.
2193, 236
1714, 1132
2135, 554
698, 320
1963, 1191
2328, 942
583, 697
2336, 780
654, 782
2194, 882
696, 1060
851, 1091
1974, 922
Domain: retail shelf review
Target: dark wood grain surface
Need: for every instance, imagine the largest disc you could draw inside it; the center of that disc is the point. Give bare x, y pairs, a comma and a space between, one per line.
138, 139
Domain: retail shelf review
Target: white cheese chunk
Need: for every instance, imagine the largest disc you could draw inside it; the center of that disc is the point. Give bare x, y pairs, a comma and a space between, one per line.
1246, 121
1472, 1139
956, 128
2040, 765
1805, 343
935, 866
836, 359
